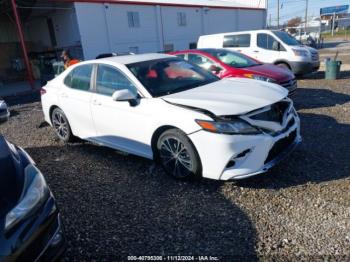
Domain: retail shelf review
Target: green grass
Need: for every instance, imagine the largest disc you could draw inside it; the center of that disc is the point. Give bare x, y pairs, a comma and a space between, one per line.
343, 33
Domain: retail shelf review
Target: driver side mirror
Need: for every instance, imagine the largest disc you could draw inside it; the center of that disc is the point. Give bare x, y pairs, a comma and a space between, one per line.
214, 68
125, 95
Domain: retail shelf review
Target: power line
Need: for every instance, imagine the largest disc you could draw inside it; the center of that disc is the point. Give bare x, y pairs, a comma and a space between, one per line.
278, 13
286, 2
306, 7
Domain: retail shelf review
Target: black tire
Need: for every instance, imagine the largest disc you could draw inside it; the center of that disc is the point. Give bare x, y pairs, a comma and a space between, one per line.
284, 65
61, 125
178, 156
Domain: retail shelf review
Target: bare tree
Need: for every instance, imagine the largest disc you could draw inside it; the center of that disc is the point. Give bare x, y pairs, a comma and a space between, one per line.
294, 22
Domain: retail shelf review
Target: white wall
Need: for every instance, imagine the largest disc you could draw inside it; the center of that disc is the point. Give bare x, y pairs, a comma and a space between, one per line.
220, 20
251, 19
93, 29
109, 30
122, 37
104, 27
209, 3
181, 36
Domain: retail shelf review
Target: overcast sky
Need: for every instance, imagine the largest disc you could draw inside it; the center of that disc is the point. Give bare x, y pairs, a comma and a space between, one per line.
293, 8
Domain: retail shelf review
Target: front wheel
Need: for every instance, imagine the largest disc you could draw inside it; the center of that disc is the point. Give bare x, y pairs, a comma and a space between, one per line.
178, 156
61, 125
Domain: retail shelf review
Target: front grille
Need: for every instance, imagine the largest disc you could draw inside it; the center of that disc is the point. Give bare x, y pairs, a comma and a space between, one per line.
275, 114
280, 146
277, 133
289, 84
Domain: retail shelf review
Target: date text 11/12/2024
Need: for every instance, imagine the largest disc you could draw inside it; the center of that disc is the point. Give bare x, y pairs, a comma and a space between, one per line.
173, 258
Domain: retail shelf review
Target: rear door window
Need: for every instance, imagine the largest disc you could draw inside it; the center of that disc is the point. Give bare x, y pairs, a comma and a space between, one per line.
242, 40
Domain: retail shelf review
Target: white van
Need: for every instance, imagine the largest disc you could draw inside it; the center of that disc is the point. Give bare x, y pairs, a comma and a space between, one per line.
267, 46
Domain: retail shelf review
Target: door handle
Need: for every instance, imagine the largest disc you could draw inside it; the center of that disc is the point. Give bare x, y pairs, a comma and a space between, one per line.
96, 102
64, 95
256, 51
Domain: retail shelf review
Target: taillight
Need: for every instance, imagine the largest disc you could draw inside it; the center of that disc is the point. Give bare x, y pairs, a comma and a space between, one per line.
42, 91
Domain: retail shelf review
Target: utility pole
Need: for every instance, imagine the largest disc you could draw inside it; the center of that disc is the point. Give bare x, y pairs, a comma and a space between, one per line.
306, 7
278, 14
23, 44
333, 22
270, 21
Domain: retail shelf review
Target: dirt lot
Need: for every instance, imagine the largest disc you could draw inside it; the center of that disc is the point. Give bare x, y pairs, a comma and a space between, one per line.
114, 204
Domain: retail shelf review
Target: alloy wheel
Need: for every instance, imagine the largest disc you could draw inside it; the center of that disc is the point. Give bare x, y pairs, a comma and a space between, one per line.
175, 157
60, 124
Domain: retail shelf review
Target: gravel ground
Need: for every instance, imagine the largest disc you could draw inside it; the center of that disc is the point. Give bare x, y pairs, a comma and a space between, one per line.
116, 204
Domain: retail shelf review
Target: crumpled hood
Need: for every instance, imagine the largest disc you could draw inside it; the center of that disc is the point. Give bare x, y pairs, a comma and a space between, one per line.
230, 96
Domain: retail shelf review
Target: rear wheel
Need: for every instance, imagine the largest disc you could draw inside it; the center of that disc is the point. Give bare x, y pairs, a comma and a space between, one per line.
178, 156
61, 125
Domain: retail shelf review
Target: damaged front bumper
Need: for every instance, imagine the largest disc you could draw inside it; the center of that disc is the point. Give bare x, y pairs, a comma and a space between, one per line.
226, 157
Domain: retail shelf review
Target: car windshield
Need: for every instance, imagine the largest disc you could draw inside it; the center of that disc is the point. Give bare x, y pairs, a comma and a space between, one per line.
233, 59
170, 75
286, 38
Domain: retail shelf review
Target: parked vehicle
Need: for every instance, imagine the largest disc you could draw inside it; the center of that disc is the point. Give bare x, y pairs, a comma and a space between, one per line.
4, 111
225, 63
105, 55
30, 224
163, 108
268, 46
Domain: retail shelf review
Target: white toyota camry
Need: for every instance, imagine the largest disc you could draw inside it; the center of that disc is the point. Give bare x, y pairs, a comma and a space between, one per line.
163, 108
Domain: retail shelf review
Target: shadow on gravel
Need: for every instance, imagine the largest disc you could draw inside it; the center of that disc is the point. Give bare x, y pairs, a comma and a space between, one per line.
114, 204
323, 156
307, 98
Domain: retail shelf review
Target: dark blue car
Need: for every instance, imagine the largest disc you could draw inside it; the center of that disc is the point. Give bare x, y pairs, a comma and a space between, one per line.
30, 224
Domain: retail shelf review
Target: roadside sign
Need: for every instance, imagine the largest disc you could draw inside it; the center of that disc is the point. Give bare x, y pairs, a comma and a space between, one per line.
340, 9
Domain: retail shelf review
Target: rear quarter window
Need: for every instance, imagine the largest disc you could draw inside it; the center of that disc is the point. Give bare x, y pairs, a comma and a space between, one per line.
242, 40
79, 78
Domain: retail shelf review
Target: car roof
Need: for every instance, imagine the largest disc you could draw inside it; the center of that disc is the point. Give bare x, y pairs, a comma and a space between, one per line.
206, 51
241, 32
130, 59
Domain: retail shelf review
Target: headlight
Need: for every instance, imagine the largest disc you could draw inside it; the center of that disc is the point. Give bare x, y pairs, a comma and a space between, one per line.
3, 104
34, 194
261, 78
300, 52
228, 127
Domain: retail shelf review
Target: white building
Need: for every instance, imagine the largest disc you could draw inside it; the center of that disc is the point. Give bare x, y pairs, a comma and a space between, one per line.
139, 26
92, 27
